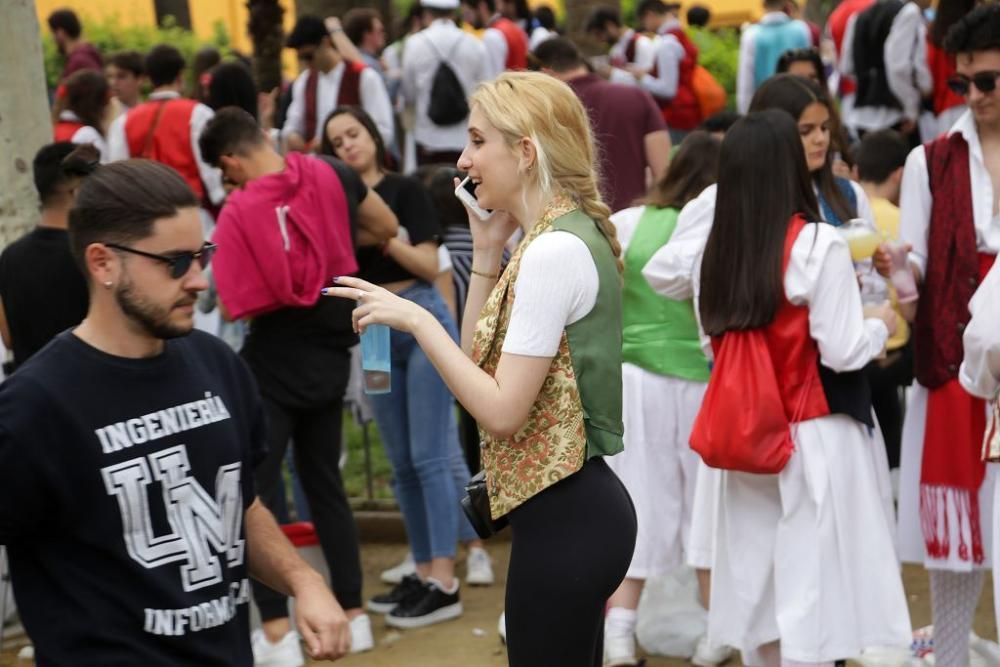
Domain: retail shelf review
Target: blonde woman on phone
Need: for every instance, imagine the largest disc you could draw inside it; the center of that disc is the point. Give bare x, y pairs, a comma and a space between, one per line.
540, 362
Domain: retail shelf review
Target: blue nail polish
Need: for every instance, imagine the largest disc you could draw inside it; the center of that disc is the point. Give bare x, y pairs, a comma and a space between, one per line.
324, 291
336, 279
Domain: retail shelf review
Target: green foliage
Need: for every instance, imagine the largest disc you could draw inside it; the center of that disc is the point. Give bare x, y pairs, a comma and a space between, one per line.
111, 35
719, 53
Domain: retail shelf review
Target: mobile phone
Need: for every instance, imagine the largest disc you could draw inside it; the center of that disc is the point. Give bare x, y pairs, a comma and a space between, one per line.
466, 192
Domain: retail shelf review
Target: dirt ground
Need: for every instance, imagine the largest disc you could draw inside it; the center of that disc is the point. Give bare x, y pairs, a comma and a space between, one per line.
472, 640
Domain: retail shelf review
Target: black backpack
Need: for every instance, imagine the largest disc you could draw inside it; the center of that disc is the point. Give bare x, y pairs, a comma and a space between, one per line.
448, 103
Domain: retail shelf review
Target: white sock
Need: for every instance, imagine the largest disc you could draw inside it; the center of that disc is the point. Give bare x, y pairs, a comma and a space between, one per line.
954, 596
620, 622
440, 586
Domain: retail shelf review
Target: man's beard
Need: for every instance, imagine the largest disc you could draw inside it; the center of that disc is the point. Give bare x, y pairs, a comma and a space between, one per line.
152, 319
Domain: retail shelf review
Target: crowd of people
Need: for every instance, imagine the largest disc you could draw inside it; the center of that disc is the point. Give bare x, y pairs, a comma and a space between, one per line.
755, 337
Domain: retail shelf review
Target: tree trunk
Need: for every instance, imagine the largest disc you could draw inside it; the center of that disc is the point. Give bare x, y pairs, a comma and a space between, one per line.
268, 38
577, 13
25, 125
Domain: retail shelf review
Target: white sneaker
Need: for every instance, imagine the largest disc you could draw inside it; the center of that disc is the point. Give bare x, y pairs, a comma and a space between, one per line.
286, 653
478, 568
361, 634
619, 650
706, 655
394, 575
502, 627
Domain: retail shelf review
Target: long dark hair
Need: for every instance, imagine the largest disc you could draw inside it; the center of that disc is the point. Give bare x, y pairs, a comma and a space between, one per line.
360, 115
87, 95
691, 170
763, 182
793, 94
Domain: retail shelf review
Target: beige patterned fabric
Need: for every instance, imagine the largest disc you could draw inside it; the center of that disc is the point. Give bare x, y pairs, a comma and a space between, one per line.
552, 444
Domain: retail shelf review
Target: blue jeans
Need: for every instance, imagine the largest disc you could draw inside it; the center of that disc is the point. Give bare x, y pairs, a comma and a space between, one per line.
417, 423
460, 471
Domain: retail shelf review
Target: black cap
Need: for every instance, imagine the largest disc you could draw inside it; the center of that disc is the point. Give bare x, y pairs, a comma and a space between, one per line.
308, 30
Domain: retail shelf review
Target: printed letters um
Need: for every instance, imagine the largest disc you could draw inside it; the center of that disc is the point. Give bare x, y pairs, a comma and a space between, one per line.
202, 526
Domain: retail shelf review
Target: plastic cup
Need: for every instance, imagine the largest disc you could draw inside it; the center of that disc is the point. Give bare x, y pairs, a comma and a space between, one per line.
901, 275
376, 359
862, 239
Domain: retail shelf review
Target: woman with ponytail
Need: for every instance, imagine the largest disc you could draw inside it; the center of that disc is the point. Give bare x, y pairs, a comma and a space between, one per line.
544, 379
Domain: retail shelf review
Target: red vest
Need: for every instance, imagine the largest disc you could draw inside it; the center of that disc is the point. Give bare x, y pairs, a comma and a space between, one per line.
517, 43
953, 264
682, 112
794, 353
350, 85
161, 130
942, 66
65, 129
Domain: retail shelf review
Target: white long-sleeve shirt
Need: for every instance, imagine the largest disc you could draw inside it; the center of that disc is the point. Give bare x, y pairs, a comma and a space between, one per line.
420, 62
372, 91
980, 372
915, 199
907, 73
210, 176
670, 271
87, 135
645, 56
745, 76
820, 276
669, 54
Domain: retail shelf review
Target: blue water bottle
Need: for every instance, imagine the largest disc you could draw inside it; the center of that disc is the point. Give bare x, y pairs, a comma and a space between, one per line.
376, 359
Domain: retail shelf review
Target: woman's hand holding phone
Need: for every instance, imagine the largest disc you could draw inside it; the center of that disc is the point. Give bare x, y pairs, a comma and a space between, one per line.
489, 233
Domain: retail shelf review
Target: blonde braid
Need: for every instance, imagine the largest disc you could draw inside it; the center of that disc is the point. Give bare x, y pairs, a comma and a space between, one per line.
589, 199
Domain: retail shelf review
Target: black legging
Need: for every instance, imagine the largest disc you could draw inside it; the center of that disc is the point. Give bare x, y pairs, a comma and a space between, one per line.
316, 434
572, 545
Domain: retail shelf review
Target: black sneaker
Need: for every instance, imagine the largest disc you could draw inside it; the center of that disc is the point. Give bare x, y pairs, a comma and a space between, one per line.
409, 587
432, 607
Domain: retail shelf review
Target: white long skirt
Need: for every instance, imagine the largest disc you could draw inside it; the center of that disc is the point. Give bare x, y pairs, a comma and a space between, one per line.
658, 466
911, 537
701, 542
807, 556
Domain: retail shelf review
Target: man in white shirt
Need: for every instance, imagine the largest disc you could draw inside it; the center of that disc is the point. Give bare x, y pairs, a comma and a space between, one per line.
949, 215
628, 46
885, 50
670, 79
761, 46
440, 41
329, 82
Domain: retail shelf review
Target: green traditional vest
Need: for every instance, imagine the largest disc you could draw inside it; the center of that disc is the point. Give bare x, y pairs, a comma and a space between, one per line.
578, 411
592, 342
660, 334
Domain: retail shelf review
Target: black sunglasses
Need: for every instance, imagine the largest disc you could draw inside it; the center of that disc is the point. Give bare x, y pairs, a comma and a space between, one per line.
986, 82
180, 263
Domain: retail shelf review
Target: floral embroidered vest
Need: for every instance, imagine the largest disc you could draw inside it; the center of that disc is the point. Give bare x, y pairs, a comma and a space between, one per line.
578, 412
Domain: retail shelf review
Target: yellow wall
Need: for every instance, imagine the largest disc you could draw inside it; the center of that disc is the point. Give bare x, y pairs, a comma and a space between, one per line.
129, 12
204, 15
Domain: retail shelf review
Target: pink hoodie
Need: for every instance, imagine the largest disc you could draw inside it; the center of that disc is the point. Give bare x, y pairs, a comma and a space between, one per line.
282, 238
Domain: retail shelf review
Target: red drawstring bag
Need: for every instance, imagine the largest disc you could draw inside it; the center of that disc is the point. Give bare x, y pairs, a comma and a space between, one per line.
742, 423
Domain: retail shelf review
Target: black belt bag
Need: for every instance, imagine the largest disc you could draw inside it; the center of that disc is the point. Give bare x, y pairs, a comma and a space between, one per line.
476, 505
